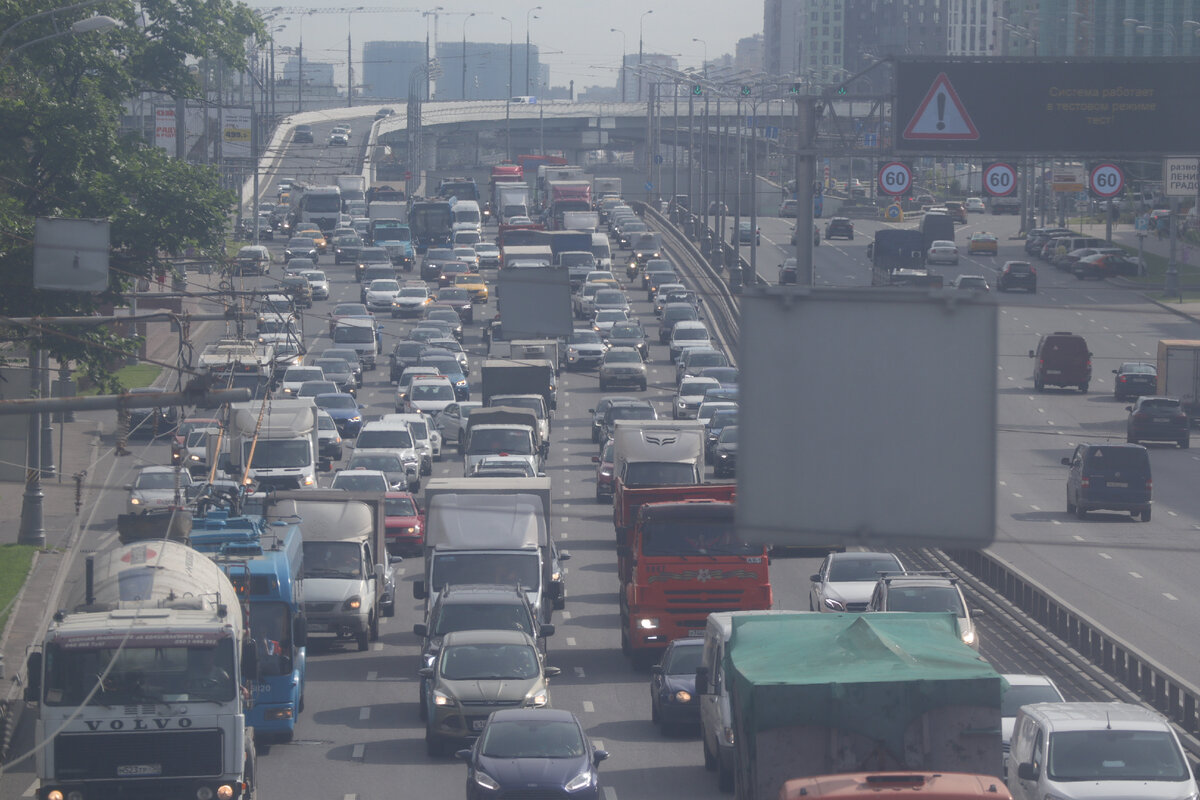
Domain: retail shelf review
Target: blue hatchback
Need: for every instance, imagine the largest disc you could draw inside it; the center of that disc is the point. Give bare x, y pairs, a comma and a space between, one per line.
536, 752
345, 410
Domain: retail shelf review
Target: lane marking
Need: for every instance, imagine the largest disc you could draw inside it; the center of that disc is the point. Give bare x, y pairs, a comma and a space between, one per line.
32, 790
372, 675
1105, 556
358, 751
579, 672
588, 708
1078, 538
364, 713
1135, 575
1035, 508
1169, 596
1017, 495
570, 641
566, 614
609, 793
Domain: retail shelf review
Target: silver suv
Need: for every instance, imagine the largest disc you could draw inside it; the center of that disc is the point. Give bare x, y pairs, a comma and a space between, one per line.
925, 591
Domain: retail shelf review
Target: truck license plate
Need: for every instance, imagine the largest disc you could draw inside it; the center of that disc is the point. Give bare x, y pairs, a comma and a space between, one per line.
696, 632
130, 770
477, 724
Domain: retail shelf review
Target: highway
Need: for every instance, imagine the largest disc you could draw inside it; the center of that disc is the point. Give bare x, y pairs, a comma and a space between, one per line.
359, 736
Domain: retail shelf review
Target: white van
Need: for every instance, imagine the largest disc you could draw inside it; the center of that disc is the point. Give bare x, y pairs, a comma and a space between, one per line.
716, 718
602, 250
1096, 751
426, 437
466, 212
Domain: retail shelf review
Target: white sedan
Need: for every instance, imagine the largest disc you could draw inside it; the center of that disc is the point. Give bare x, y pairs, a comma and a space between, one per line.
381, 293
154, 487
942, 252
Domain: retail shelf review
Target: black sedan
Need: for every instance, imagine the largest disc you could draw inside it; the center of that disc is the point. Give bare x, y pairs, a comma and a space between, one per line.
839, 226
673, 701
300, 247
1157, 419
1017, 275
533, 752
458, 299
601, 409
725, 453
629, 334
1135, 379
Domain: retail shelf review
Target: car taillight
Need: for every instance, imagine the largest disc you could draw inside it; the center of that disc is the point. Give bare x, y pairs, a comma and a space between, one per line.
1149, 484
1141, 415
1084, 482
1121, 379
1032, 271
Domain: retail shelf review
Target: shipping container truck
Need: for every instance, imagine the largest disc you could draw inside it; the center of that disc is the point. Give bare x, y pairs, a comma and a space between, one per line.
1179, 373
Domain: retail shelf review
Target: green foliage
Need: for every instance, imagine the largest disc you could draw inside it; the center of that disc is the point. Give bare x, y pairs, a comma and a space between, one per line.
65, 155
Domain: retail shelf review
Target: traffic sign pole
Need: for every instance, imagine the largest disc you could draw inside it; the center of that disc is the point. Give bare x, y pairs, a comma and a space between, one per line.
1107, 180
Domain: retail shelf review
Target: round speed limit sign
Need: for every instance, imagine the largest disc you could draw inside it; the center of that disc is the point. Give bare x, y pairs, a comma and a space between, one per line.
999, 179
1107, 180
895, 178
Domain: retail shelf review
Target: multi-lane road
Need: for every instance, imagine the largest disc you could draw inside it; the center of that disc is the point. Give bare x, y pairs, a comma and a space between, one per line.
359, 735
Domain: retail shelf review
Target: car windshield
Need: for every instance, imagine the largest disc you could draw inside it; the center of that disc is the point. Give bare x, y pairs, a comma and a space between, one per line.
723, 418
690, 334
382, 462
314, 388
353, 335
1115, 755
481, 616
383, 439
1139, 369
668, 537
350, 309
1161, 405
1016, 696
656, 473
300, 244
453, 294
383, 286
399, 507
729, 435
478, 662
360, 483
623, 357
610, 314
683, 660
532, 738
534, 404
156, 480
585, 337
414, 291
302, 374
626, 332
696, 388
332, 560
630, 412
333, 366
925, 598
860, 569
337, 401
432, 391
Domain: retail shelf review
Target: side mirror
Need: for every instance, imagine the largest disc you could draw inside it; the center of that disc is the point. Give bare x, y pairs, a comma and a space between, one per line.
1129, 408
463, 755
565, 555
702, 680
425, 672
595, 459
129, 487
815, 578
421, 629
1065, 461
657, 669
395, 559
598, 756
1031, 354
33, 680
1114, 372
1027, 772
418, 590
546, 630
551, 672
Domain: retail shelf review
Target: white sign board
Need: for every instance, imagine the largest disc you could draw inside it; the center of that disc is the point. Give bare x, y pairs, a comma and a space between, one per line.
896, 446
535, 303
1179, 176
236, 135
70, 254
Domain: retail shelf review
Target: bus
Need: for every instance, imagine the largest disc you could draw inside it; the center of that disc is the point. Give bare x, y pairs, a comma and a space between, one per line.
432, 224
265, 565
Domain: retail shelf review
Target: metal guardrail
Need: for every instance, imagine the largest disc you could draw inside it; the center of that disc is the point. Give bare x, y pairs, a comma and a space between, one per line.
1168, 693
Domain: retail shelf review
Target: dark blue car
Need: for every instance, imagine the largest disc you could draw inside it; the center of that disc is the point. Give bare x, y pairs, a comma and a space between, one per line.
673, 701
537, 752
345, 410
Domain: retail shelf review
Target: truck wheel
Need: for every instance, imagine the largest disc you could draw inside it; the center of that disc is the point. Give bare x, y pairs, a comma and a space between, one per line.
1145, 515
250, 769
433, 747
1080, 512
1038, 386
626, 648
373, 628
1083, 387
724, 778
1184, 443
710, 761
363, 639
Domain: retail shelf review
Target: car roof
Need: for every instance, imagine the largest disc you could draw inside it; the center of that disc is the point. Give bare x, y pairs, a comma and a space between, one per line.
474, 592
523, 714
1093, 716
486, 637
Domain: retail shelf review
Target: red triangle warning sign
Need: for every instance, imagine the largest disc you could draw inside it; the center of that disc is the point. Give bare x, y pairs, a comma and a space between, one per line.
941, 115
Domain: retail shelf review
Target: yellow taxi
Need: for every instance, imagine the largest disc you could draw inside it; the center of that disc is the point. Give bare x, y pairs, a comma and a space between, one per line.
309, 229
983, 242
473, 283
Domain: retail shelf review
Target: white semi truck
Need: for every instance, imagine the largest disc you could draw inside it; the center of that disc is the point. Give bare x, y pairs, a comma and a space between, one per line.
274, 447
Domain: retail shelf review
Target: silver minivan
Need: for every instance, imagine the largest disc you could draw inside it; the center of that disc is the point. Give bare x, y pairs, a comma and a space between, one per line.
1096, 751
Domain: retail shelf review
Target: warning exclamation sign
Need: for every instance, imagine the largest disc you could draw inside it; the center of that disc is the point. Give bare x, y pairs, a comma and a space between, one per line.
941, 111
941, 115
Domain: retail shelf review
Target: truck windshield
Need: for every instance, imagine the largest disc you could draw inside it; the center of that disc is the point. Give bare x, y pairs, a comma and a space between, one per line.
323, 203
154, 670
516, 442
332, 560
658, 473
506, 569
692, 537
271, 624
278, 453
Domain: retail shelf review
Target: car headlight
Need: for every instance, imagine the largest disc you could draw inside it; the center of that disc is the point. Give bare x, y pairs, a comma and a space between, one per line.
834, 605
681, 403
580, 781
462, 382
647, 623
352, 604
968, 636
442, 699
355, 418
193, 457
133, 501
727, 736
683, 696
485, 780
538, 700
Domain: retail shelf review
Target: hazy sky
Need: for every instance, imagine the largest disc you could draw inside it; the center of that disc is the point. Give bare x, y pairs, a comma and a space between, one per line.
573, 35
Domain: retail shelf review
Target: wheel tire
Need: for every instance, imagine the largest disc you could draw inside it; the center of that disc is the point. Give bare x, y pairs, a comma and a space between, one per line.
1038, 386
373, 629
1083, 387
626, 647
363, 639
1080, 512
724, 779
1184, 443
710, 761
1145, 515
1070, 505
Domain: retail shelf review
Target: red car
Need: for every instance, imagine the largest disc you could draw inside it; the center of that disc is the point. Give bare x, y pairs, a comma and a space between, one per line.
405, 524
604, 472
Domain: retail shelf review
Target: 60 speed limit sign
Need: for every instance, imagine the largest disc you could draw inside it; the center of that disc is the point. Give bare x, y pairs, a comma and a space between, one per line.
895, 178
1107, 180
999, 179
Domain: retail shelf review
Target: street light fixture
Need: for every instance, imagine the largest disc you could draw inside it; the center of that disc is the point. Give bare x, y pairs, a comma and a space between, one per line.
704, 63
618, 30
86, 25
641, 29
529, 17
510, 56
349, 59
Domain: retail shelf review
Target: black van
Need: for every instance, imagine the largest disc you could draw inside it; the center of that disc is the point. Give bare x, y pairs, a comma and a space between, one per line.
1109, 476
936, 228
1062, 358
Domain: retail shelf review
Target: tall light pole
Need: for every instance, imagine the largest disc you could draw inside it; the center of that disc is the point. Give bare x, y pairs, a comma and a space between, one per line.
641, 50
510, 57
529, 17
618, 30
704, 63
466, 19
349, 60
433, 12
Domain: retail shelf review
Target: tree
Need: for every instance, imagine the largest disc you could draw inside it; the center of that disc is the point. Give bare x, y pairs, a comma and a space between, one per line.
65, 154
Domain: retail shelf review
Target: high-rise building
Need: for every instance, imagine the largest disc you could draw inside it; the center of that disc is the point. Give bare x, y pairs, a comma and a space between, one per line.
1121, 28
971, 27
487, 75
748, 53
387, 68
781, 36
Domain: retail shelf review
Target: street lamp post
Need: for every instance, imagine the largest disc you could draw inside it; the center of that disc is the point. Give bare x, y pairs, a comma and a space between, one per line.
466, 19
641, 30
350, 59
704, 63
529, 17
618, 30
